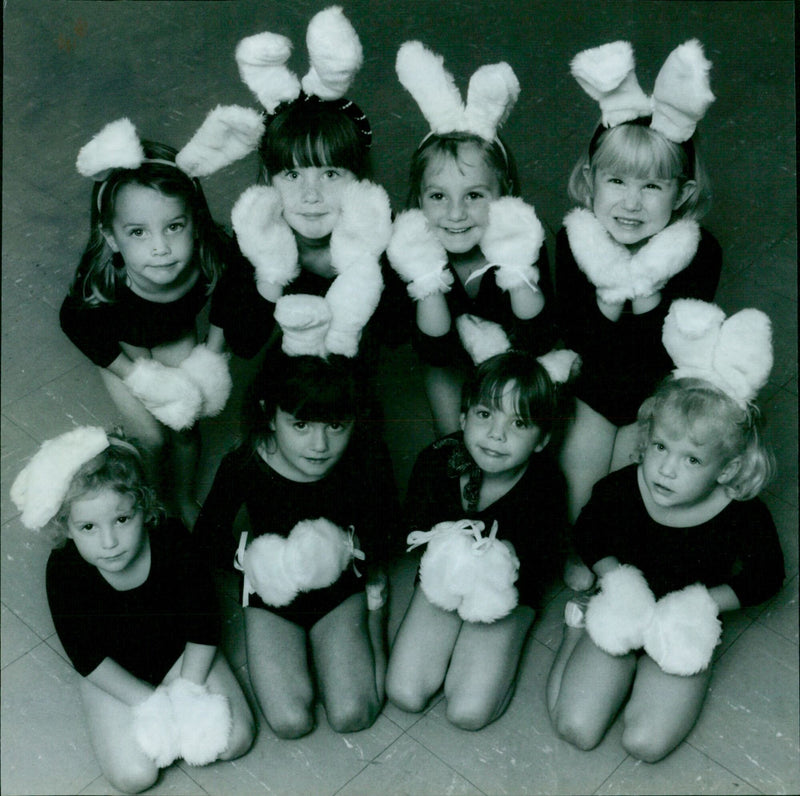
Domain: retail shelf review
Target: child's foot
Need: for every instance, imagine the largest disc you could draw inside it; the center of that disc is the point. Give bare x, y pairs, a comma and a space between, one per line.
577, 575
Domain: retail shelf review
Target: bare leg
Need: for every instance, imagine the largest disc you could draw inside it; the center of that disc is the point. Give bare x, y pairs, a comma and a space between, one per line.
585, 455
443, 389
483, 670
421, 653
185, 456
278, 665
662, 710
345, 666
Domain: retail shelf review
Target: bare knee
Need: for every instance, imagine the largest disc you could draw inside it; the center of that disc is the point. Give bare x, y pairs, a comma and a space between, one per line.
645, 744
352, 715
578, 730
406, 695
292, 723
242, 736
134, 776
469, 714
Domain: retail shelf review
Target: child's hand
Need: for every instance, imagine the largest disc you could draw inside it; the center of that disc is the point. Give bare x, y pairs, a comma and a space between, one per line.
168, 393
209, 371
418, 257
265, 238
512, 241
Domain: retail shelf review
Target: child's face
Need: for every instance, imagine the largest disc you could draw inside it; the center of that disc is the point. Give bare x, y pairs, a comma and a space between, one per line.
633, 209
306, 450
682, 468
455, 198
108, 529
154, 234
312, 198
498, 439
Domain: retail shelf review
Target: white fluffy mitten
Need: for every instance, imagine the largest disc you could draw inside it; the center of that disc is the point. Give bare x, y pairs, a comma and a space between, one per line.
264, 236
684, 631
168, 393
512, 241
203, 720
155, 728
617, 616
209, 371
418, 257
364, 227
352, 298
313, 556
304, 321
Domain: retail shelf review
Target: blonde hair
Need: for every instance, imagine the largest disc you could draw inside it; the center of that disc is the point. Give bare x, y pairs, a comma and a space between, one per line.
641, 152
736, 431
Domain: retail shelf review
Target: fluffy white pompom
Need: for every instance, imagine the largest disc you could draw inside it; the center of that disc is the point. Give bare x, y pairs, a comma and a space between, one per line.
168, 393
209, 371
263, 565
203, 720
155, 728
318, 552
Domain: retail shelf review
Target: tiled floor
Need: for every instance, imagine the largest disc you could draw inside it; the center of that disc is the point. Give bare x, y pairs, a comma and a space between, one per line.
71, 67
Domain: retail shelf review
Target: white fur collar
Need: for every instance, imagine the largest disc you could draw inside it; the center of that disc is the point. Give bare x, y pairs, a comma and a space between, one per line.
615, 272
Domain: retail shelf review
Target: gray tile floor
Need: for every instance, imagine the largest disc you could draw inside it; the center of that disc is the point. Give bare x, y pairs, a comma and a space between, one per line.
71, 67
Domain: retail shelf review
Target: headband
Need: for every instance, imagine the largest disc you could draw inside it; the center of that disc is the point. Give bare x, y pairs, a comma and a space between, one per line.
483, 339
39, 490
335, 56
228, 133
735, 355
492, 93
681, 94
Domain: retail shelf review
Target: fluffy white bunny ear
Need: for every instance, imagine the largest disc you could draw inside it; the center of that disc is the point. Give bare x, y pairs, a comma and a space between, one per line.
682, 94
493, 91
228, 133
735, 355
262, 66
335, 53
39, 490
481, 339
422, 74
561, 365
116, 146
606, 73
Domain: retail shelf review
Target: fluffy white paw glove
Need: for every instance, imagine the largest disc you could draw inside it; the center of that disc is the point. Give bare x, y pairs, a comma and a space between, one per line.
304, 321
313, 556
155, 728
463, 571
679, 632
418, 257
359, 238
209, 371
512, 241
264, 236
168, 393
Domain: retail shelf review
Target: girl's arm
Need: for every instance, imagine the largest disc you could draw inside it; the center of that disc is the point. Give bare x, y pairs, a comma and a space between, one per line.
605, 565
725, 597
216, 339
526, 303
117, 681
433, 315
197, 660
121, 366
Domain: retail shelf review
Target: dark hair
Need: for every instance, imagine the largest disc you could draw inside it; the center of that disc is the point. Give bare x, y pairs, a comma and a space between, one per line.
698, 408
314, 133
495, 154
537, 398
101, 272
635, 148
310, 388
118, 467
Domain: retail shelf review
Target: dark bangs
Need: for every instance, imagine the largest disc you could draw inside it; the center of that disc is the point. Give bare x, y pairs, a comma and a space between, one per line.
313, 134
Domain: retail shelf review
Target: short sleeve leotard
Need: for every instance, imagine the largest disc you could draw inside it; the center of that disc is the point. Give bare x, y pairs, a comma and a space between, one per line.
146, 629
738, 547
358, 493
532, 515
623, 360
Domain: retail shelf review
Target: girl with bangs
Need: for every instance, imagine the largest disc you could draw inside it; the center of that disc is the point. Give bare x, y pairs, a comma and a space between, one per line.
319, 499
495, 470
630, 248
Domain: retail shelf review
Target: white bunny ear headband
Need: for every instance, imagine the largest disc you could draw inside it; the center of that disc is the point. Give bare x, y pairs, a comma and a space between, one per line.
39, 490
335, 56
483, 339
228, 133
681, 94
492, 93
735, 355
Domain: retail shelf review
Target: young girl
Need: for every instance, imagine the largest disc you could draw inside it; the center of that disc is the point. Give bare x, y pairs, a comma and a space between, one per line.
466, 249
153, 258
685, 523
306, 473
632, 247
317, 226
134, 609
493, 473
